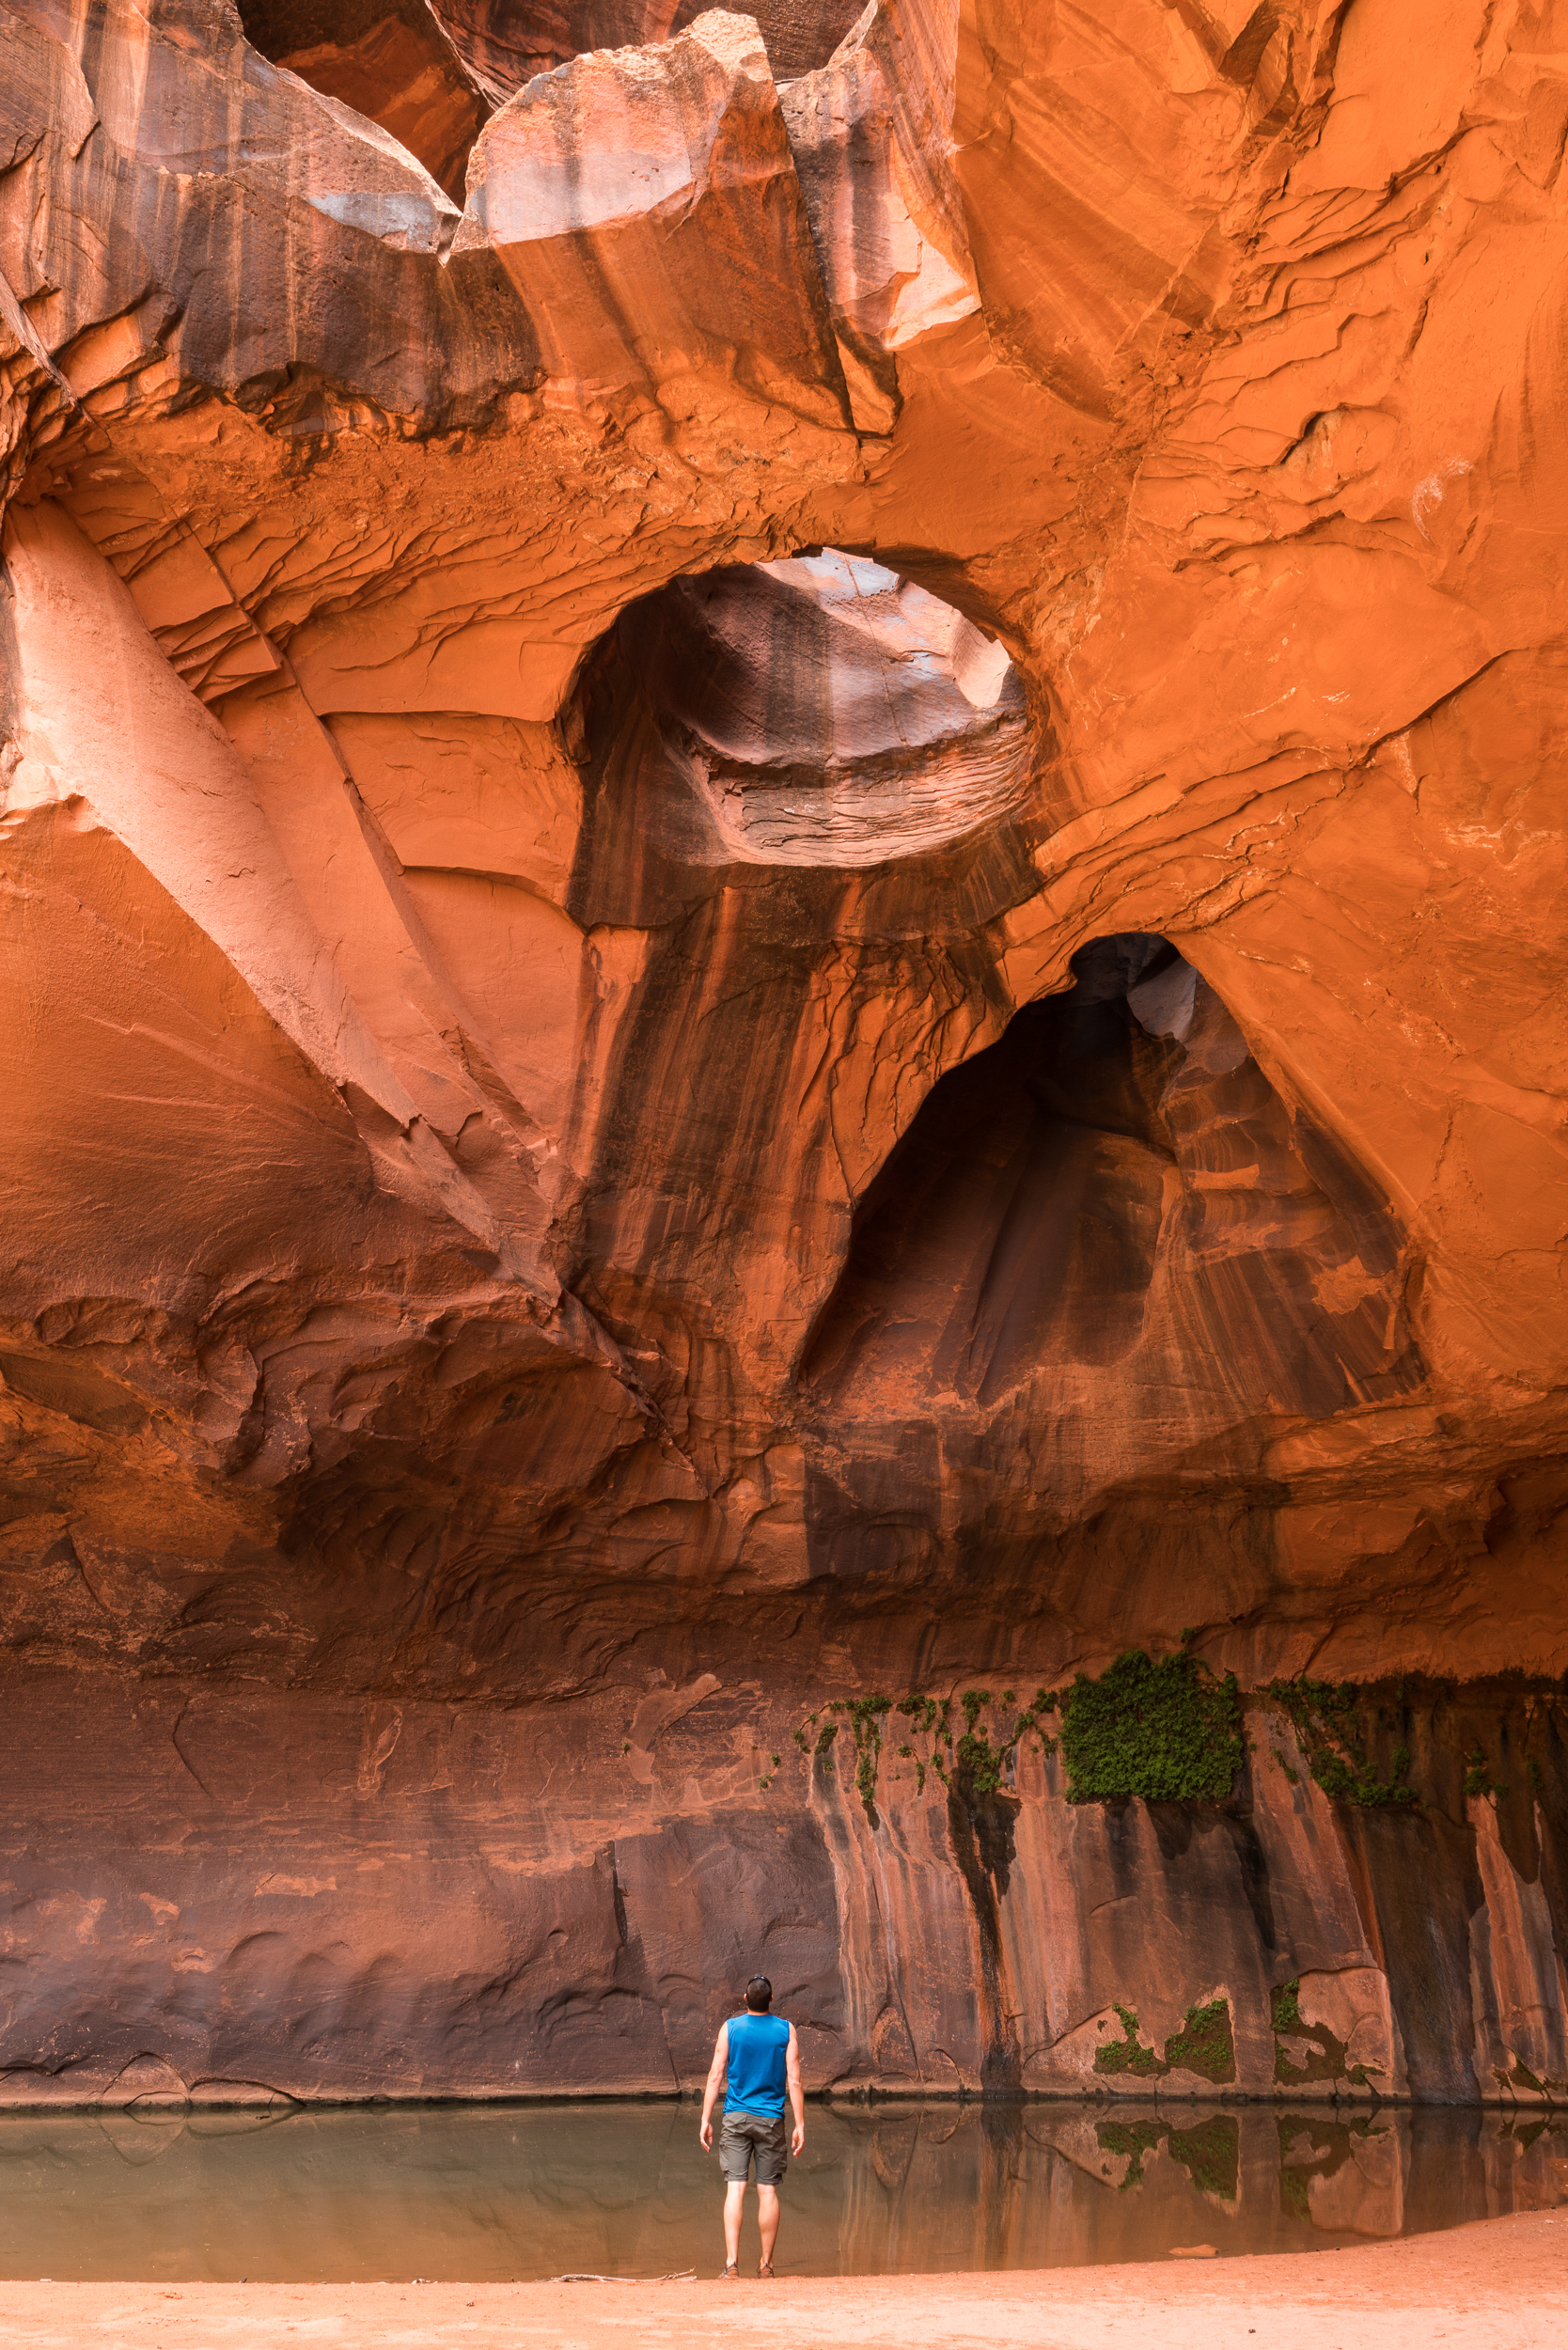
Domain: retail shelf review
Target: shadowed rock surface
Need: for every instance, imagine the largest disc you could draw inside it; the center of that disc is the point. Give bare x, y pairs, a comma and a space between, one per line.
505, 45
396, 65
783, 888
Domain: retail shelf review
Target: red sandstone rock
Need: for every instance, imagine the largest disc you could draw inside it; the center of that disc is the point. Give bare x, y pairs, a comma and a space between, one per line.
686, 253
505, 45
618, 1131
396, 65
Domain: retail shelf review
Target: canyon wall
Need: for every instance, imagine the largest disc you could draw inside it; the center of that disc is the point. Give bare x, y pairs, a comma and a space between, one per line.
782, 868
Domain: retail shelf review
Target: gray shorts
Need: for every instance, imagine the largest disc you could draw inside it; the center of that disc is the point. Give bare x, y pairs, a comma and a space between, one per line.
744, 2135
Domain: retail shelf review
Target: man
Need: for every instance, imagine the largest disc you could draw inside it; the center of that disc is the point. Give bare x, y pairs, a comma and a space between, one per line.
756, 2063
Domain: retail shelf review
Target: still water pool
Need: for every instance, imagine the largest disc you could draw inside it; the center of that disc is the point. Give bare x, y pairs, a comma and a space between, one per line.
498, 2192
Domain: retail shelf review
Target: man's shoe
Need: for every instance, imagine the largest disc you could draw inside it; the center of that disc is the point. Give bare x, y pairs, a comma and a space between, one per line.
767, 2270
730, 2273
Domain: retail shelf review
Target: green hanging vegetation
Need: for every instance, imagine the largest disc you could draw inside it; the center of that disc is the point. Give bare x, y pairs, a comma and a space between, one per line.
1478, 1778
981, 1766
1285, 2006
1327, 1723
977, 1759
865, 1718
1325, 2058
927, 1716
1170, 1731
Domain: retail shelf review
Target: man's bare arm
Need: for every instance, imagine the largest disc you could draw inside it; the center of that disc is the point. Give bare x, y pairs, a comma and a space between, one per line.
717, 2071
794, 2090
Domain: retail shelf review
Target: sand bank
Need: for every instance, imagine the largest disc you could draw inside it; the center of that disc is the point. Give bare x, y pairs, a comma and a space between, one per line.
1503, 2280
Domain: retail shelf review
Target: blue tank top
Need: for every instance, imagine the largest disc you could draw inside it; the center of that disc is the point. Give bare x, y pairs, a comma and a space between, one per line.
757, 2046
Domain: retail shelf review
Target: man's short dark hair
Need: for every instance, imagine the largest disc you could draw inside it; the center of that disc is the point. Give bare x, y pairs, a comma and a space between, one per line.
759, 1994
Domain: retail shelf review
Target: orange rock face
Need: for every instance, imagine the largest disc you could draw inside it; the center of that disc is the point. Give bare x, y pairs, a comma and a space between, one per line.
398, 65
783, 874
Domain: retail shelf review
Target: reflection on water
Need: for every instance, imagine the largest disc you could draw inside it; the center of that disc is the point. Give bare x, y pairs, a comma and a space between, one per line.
497, 2192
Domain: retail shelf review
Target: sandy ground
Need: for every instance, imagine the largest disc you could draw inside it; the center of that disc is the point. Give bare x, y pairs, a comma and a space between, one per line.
1500, 2285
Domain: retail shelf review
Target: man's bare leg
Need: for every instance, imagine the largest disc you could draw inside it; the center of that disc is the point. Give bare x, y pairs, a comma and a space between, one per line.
734, 2198
767, 2219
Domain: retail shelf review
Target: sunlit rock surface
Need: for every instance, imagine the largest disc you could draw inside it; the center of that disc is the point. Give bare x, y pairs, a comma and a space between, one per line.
783, 881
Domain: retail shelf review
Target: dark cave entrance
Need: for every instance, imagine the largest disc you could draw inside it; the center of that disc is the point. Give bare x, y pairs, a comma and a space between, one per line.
1113, 1208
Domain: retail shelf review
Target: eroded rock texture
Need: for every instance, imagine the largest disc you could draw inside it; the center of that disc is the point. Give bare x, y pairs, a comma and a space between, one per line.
783, 888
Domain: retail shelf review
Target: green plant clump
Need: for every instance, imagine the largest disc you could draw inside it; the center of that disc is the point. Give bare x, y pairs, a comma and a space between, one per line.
926, 1714
1327, 1722
1205, 2043
980, 1762
981, 1766
1168, 1732
1128, 2054
1478, 1778
1285, 2006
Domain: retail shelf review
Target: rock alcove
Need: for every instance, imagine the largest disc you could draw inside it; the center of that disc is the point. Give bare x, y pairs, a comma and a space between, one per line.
1115, 1201
815, 712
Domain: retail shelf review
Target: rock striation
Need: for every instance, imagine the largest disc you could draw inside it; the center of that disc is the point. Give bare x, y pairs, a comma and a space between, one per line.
783, 877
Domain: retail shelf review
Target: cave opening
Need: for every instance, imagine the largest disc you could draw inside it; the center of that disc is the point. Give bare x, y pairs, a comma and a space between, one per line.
1113, 1211
821, 710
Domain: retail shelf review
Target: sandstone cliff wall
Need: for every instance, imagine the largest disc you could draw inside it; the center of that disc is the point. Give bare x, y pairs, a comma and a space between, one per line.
782, 898
222, 1894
